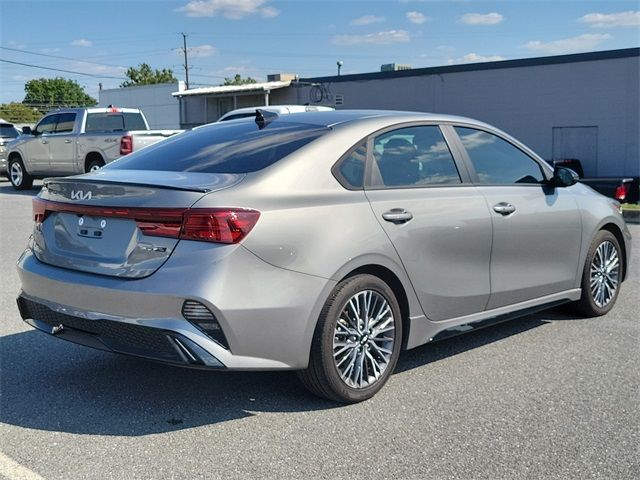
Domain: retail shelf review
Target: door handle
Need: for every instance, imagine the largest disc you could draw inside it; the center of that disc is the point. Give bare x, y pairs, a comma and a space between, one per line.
504, 208
68, 141
44, 142
397, 216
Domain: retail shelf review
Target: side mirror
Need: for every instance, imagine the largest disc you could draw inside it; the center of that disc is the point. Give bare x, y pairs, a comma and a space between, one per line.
564, 177
27, 131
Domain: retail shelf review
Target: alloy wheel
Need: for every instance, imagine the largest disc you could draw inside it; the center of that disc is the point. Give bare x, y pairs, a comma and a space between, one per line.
604, 274
16, 173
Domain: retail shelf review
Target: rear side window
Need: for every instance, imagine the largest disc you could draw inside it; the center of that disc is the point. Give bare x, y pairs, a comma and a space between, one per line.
114, 122
228, 147
496, 161
350, 170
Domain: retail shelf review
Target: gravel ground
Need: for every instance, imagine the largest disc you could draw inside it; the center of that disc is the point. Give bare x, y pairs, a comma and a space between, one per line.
547, 396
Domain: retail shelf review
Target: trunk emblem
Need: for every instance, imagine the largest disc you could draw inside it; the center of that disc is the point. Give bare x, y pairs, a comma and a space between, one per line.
80, 195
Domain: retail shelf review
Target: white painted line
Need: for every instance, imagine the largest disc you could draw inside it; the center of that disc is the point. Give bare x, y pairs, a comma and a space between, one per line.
12, 470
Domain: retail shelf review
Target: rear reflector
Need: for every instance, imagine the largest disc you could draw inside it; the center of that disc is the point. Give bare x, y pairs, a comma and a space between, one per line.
199, 315
218, 225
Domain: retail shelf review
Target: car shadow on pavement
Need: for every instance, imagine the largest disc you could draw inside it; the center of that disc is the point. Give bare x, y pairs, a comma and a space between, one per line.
7, 189
49, 384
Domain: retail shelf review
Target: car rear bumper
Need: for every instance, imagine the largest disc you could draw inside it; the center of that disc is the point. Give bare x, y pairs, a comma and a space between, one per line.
266, 313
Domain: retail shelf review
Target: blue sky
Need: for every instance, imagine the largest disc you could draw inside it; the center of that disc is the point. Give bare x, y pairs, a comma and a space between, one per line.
257, 37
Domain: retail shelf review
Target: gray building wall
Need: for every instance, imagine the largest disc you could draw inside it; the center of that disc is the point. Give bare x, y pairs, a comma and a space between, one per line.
529, 102
161, 109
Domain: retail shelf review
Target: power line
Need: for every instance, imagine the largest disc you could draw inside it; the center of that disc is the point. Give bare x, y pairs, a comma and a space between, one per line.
60, 57
61, 70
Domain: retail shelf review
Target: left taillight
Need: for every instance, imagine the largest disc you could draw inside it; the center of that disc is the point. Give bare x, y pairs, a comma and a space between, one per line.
621, 192
126, 145
217, 225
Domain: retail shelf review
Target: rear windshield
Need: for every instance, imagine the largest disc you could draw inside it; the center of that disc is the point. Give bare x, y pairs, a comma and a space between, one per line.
112, 122
229, 147
236, 116
8, 131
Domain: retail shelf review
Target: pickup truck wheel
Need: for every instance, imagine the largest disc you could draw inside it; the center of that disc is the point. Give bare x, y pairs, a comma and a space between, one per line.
94, 165
18, 175
357, 341
601, 276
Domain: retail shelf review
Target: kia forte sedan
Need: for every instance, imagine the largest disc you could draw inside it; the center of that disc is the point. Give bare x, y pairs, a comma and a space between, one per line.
323, 242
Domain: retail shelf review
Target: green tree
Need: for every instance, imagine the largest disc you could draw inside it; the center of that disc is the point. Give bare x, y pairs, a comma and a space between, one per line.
15, 112
46, 93
238, 80
145, 75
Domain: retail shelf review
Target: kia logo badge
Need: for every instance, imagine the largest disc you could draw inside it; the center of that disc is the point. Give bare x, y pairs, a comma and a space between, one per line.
80, 195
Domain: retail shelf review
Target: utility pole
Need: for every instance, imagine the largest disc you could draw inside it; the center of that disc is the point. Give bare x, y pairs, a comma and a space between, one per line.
339, 63
186, 62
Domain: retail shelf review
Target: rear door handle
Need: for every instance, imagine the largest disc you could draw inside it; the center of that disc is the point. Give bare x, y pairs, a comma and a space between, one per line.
44, 142
397, 215
68, 141
504, 208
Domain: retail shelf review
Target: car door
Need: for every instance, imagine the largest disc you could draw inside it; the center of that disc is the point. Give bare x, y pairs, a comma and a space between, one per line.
536, 228
439, 224
62, 145
37, 149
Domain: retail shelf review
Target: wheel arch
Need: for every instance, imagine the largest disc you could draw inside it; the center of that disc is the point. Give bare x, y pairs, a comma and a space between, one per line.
617, 232
18, 155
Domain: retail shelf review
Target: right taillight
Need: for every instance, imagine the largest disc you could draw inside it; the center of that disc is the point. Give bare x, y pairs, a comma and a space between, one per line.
621, 192
126, 145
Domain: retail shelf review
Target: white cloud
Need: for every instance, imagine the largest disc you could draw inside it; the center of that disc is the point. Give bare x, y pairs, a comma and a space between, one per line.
475, 58
82, 42
581, 43
492, 18
202, 51
379, 38
608, 20
417, 17
232, 9
367, 20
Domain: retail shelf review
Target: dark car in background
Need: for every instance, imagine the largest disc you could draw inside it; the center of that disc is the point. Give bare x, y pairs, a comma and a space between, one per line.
8, 132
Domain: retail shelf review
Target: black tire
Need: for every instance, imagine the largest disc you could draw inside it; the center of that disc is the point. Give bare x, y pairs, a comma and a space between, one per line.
322, 376
95, 164
18, 175
588, 305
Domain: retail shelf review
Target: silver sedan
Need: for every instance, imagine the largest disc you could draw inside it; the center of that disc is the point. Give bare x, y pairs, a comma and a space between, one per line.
323, 242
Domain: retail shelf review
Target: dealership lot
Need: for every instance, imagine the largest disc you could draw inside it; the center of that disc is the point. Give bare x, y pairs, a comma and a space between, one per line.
547, 396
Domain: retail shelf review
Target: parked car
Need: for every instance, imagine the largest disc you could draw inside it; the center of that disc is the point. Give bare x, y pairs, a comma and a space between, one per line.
322, 242
623, 189
8, 132
77, 140
279, 109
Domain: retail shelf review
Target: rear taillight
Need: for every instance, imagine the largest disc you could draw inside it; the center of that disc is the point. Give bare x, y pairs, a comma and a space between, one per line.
218, 225
621, 192
126, 145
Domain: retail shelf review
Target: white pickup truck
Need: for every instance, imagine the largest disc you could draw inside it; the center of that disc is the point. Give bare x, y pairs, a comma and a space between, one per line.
77, 140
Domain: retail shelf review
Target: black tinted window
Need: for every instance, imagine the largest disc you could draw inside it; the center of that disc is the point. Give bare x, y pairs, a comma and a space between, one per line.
236, 116
351, 167
114, 121
496, 161
228, 147
66, 122
414, 156
8, 131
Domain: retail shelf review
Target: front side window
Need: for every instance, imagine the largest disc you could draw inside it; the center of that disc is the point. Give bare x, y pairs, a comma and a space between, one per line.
496, 161
414, 156
66, 123
227, 147
48, 124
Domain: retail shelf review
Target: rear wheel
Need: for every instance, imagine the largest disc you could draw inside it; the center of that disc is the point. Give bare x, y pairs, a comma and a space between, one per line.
601, 276
357, 341
18, 175
95, 164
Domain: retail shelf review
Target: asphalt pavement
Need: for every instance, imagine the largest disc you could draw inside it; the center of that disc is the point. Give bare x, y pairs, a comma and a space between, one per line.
547, 396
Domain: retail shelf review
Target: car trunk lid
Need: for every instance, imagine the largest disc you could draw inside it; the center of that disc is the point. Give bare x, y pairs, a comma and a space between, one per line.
120, 223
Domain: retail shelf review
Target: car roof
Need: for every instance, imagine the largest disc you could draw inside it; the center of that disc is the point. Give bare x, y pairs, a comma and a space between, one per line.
340, 117
95, 110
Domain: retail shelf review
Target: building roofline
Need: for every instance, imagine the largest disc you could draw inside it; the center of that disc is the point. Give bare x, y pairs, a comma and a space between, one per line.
231, 89
472, 67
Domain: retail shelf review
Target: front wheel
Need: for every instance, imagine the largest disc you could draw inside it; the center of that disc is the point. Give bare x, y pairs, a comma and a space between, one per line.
356, 343
18, 175
601, 276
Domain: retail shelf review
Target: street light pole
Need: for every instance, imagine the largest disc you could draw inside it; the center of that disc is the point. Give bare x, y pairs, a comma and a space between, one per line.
339, 63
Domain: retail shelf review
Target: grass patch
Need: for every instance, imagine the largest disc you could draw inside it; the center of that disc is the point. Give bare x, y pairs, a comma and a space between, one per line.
631, 206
